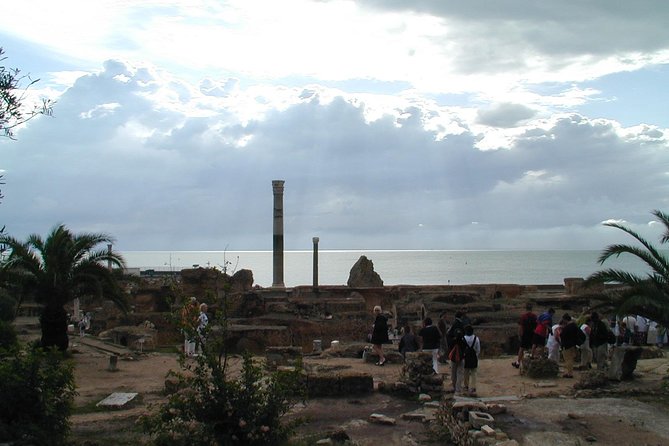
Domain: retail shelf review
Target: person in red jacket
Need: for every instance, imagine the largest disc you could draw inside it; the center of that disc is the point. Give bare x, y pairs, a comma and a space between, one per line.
541, 332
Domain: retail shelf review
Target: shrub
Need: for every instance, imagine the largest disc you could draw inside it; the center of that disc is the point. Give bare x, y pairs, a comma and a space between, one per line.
212, 408
36, 396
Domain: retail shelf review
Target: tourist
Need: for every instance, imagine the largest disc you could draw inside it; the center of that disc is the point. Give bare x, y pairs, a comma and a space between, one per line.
526, 326
625, 337
586, 351
443, 327
429, 337
379, 334
661, 335
553, 343
189, 323
570, 337
641, 330
456, 347
409, 341
599, 338
630, 322
471, 361
202, 322
541, 331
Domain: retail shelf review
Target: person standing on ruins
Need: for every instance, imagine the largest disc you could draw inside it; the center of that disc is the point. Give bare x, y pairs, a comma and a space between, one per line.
541, 332
429, 337
379, 334
526, 326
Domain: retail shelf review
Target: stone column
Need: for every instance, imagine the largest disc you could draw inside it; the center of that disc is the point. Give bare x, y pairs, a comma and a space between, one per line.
315, 240
277, 282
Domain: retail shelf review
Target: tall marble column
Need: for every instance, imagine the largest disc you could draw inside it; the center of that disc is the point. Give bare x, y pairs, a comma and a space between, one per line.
277, 282
315, 240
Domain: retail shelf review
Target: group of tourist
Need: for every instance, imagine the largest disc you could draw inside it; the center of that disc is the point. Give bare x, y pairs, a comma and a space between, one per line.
456, 342
590, 334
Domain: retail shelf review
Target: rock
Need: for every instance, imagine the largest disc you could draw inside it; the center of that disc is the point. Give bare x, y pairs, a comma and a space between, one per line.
362, 274
423, 397
540, 368
242, 280
480, 419
489, 431
382, 419
623, 362
495, 409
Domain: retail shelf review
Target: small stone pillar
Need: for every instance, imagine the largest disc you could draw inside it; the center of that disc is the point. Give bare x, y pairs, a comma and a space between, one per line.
315, 240
318, 346
277, 282
113, 360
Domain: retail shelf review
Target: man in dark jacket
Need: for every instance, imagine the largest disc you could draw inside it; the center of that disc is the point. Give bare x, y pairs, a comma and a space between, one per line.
570, 337
456, 348
599, 336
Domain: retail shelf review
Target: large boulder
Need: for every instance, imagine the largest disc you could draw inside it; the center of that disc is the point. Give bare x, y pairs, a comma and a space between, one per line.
362, 274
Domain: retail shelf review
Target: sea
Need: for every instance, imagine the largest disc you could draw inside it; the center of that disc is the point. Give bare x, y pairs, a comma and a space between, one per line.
396, 267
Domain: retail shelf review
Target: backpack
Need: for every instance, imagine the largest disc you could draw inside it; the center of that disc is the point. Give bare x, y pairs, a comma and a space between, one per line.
471, 360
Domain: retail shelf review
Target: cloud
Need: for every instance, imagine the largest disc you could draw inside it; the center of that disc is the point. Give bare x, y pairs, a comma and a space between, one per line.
505, 115
163, 164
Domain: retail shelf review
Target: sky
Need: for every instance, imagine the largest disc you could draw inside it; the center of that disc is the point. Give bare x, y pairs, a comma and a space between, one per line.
429, 124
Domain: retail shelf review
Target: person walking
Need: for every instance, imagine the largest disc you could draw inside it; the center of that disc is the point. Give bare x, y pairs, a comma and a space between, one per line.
379, 334
526, 326
471, 361
429, 337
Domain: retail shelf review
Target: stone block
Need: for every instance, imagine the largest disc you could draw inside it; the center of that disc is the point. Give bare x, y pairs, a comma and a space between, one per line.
480, 419
489, 431
382, 419
623, 362
117, 400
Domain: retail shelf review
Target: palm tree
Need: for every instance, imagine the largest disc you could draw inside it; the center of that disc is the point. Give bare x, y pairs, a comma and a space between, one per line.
645, 295
59, 269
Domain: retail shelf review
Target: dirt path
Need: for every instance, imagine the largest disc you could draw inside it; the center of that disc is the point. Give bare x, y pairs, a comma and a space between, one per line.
532, 406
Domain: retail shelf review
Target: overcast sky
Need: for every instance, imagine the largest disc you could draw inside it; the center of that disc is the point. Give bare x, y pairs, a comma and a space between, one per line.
424, 124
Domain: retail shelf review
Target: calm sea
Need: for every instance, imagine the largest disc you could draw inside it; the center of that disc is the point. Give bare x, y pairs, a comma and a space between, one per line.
396, 267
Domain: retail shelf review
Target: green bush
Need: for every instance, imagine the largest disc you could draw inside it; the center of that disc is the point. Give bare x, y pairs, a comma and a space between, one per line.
212, 408
36, 396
